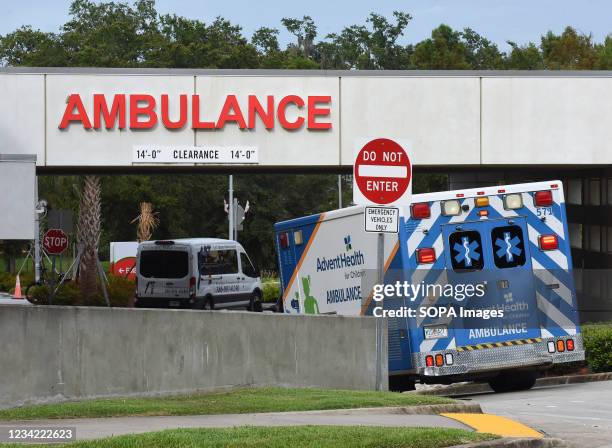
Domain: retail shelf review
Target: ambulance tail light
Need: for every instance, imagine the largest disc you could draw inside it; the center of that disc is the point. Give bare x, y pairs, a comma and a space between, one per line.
560, 345
551, 347
548, 242
420, 210
439, 360
543, 198
426, 255
283, 239
569, 345
192, 287
429, 361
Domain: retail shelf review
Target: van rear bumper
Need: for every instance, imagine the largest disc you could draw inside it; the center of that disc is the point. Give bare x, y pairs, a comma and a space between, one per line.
163, 302
487, 359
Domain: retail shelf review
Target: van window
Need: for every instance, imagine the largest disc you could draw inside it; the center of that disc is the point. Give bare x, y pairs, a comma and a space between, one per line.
218, 262
508, 247
247, 266
466, 251
164, 263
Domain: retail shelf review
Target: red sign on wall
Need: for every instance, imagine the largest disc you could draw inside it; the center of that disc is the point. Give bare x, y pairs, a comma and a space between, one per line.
382, 174
55, 241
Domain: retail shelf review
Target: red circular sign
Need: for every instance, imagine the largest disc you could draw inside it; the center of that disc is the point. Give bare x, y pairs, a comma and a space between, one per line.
55, 241
382, 171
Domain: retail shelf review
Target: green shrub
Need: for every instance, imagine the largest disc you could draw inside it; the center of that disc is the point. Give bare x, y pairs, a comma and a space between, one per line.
598, 345
120, 291
120, 294
271, 290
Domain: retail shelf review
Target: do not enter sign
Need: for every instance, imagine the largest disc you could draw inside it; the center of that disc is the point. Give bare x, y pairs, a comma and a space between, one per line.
382, 174
55, 241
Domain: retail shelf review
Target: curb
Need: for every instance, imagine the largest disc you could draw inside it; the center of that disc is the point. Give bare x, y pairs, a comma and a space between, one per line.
516, 443
476, 388
428, 409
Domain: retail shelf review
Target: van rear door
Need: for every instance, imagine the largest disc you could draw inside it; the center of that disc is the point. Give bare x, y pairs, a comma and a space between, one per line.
493, 253
163, 271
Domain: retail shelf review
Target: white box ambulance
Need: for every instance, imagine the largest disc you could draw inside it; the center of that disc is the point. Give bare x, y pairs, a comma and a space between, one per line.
479, 282
199, 273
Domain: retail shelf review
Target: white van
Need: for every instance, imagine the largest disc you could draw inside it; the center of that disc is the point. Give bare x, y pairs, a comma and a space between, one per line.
200, 273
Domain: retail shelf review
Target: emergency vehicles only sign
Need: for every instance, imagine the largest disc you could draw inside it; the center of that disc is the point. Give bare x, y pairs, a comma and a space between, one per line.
381, 219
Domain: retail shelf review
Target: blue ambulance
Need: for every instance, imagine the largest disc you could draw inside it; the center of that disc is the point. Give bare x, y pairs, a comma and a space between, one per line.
477, 283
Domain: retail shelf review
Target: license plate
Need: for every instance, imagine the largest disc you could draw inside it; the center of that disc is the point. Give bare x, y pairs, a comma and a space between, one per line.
436, 332
175, 303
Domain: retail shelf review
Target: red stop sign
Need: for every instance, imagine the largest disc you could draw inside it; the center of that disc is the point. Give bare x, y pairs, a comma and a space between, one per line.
382, 171
55, 241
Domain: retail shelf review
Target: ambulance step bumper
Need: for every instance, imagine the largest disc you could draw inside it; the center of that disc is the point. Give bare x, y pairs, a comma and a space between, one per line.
500, 358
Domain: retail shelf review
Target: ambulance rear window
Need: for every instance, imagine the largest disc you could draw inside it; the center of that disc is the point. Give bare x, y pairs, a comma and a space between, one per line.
466, 251
508, 246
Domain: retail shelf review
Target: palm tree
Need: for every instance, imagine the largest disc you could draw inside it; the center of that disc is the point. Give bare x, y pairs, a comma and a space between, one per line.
147, 222
88, 234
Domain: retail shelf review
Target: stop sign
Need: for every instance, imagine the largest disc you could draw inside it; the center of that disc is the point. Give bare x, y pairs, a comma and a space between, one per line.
55, 241
382, 173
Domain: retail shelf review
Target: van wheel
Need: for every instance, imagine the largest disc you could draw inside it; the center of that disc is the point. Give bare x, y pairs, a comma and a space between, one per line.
255, 302
513, 382
208, 303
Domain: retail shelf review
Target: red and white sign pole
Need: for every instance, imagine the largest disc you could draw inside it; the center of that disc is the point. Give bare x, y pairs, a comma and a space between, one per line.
382, 177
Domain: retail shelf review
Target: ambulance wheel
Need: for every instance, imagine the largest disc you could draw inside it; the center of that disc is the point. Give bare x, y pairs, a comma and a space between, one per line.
513, 381
401, 383
255, 302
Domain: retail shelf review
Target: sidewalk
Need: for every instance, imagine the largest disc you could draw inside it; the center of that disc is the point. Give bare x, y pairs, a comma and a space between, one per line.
94, 428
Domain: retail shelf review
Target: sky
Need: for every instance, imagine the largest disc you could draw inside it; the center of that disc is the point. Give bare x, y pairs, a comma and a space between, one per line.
520, 21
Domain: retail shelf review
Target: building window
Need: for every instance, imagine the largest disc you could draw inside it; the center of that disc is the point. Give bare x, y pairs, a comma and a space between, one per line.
609, 191
594, 238
609, 239
594, 192
574, 191
575, 231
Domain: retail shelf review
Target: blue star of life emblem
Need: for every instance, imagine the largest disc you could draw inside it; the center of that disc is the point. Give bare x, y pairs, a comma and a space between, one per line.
508, 247
466, 252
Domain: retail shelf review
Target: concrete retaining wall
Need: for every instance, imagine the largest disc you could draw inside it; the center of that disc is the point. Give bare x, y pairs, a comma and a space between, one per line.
54, 353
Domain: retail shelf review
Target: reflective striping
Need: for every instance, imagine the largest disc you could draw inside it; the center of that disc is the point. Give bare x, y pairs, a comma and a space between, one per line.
495, 424
553, 313
488, 345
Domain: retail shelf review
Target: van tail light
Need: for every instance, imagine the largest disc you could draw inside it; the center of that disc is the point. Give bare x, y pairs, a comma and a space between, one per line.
283, 239
548, 242
136, 287
192, 287
543, 198
439, 360
426, 255
560, 345
569, 344
420, 210
429, 361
